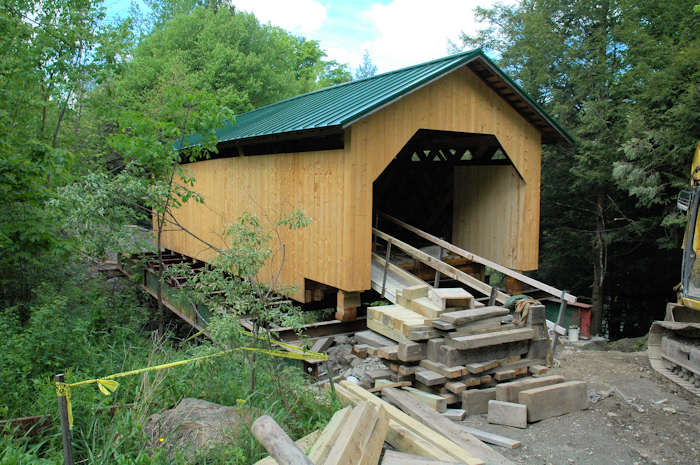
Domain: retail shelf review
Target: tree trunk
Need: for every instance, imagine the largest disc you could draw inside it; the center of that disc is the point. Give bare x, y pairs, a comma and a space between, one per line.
600, 262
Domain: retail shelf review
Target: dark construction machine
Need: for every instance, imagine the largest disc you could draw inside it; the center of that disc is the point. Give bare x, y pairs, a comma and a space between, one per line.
674, 344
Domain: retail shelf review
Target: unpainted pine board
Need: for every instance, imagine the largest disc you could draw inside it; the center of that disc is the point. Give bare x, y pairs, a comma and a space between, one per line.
446, 297
492, 438
439, 447
322, 446
392, 457
426, 307
374, 440
407, 441
490, 339
462, 317
348, 447
454, 414
435, 401
446, 427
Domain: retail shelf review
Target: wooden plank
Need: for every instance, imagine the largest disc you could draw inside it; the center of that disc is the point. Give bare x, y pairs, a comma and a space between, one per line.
508, 392
429, 377
392, 457
407, 441
490, 339
476, 368
463, 317
355, 443
382, 383
507, 413
442, 267
554, 400
448, 297
448, 428
492, 438
448, 372
320, 449
435, 401
551, 290
373, 339
439, 447
322, 344
454, 414
412, 351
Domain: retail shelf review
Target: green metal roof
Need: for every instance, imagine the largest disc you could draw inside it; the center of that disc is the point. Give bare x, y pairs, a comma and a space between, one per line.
343, 104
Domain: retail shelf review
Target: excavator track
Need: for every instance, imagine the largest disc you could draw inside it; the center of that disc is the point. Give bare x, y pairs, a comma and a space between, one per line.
674, 351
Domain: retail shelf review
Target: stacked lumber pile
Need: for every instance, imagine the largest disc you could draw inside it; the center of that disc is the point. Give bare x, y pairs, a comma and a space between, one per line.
439, 344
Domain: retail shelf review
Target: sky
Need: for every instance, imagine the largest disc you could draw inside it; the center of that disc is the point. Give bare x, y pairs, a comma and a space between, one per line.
396, 33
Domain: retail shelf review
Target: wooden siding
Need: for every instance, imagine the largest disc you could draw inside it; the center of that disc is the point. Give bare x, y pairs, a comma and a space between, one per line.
461, 102
334, 187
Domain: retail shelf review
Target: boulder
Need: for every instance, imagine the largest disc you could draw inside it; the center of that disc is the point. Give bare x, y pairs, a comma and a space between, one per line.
195, 425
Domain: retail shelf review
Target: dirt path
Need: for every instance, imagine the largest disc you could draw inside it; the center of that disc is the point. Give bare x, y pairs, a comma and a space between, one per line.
629, 421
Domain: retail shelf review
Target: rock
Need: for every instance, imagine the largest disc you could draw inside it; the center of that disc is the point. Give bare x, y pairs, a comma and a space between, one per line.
342, 340
195, 425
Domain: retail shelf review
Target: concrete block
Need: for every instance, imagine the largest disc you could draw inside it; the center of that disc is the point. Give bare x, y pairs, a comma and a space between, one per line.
507, 413
476, 401
508, 392
554, 400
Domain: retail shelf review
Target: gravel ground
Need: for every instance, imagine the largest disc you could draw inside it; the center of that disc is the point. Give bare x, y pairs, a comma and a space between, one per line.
636, 417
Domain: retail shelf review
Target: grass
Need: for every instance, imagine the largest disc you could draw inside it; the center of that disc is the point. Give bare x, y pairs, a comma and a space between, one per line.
86, 329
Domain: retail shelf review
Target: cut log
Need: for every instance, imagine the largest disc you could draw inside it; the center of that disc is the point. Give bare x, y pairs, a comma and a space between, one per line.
303, 444
437, 422
277, 443
489, 339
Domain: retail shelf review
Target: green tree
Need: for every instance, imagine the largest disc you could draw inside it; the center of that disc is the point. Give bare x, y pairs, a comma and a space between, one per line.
592, 66
367, 68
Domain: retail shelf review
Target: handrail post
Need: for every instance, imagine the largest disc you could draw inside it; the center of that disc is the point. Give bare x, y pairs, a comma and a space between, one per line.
386, 265
562, 310
436, 284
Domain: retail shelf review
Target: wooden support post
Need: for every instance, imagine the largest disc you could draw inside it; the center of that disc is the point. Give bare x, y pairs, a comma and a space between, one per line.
436, 284
562, 310
346, 306
513, 286
65, 425
387, 259
492, 297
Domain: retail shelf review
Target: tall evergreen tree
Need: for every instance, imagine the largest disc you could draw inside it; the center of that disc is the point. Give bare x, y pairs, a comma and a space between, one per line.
367, 68
598, 67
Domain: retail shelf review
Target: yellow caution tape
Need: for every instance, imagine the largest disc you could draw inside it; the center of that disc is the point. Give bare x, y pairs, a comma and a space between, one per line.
107, 385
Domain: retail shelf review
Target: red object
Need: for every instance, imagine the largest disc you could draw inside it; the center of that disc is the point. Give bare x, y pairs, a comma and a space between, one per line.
584, 316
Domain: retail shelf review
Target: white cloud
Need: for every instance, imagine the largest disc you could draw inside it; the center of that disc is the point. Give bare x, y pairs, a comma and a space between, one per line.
412, 31
298, 16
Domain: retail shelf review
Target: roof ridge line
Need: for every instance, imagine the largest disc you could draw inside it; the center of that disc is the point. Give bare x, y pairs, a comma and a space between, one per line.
344, 84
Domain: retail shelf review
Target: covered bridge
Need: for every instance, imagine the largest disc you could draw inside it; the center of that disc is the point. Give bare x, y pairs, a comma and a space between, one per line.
452, 146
